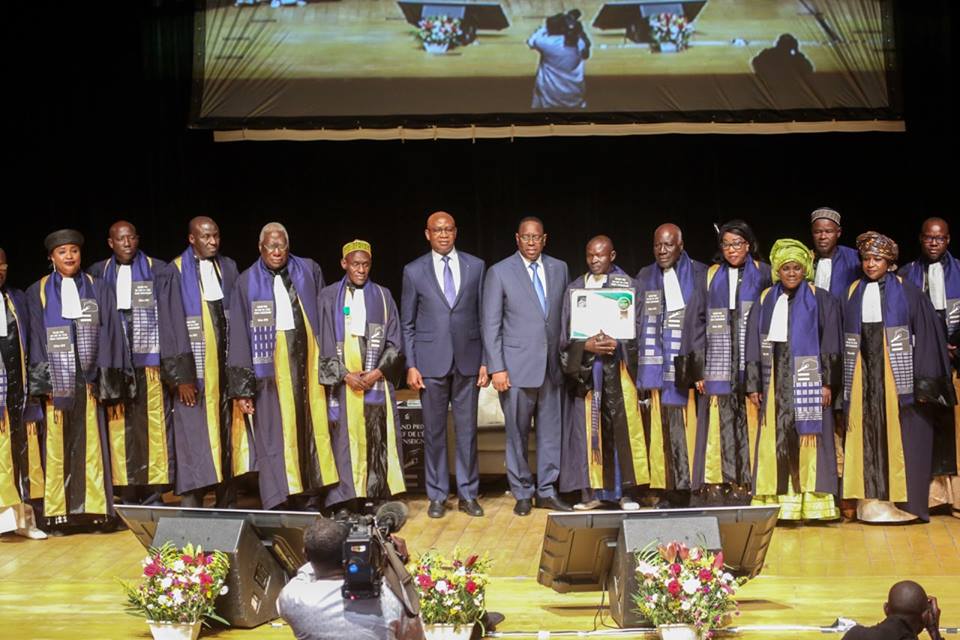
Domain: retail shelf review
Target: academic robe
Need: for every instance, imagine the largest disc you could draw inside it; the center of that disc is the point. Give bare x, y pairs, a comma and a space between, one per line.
21, 471
890, 368
604, 445
946, 435
212, 440
844, 269
140, 427
278, 369
712, 350
670, 415
365, 425
75, 367
794, 461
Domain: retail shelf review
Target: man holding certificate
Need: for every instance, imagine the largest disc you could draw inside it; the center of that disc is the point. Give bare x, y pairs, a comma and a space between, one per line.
604, 452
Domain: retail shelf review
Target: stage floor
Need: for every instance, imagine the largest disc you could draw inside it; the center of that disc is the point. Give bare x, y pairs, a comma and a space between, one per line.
67, 587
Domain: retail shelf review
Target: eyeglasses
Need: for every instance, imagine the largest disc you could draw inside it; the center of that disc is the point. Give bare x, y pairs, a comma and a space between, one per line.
275, 247
531, 237
934, 239
736, 245
443, 231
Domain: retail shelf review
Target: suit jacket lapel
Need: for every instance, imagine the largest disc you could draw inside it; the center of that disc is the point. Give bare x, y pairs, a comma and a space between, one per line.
464, 273
431, 275
525, 275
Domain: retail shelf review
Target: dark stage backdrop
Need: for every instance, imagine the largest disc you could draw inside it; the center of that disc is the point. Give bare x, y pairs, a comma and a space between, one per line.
96, 131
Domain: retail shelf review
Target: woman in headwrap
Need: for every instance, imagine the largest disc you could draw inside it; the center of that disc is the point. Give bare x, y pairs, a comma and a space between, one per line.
794, 370
895, 356
712, 358
76, 361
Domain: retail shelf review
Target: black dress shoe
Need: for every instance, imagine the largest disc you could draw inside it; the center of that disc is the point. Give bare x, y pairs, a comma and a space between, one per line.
553, 503
523, 506
470, 507
436, 509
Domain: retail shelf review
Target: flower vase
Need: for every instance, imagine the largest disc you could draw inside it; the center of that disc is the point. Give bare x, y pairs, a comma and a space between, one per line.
665, 47
436, 48
447, 631
174, 630
678, 632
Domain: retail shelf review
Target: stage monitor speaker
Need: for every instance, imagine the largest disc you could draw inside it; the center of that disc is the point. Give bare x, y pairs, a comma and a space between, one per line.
633, 15
255, 578
636, 535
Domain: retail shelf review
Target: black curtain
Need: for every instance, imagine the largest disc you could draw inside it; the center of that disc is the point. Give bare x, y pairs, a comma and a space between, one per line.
98, 97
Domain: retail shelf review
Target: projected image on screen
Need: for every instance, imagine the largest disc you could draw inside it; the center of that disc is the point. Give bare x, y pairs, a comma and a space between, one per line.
289, 59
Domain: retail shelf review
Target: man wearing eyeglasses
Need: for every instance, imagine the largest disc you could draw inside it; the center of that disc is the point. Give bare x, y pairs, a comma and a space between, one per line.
522, 304
937, 273
440, 317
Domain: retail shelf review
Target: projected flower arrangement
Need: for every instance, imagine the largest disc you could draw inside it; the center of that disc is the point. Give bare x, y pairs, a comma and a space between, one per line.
670, 32
437, 34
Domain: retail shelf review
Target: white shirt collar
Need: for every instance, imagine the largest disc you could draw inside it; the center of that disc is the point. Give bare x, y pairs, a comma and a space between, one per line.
778, 323
872, 310
733, 279
527, 263
124, 286
70, 307
438, 258
671, 290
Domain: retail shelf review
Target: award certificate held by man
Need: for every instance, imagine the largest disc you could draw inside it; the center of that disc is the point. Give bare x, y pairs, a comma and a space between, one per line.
608, 310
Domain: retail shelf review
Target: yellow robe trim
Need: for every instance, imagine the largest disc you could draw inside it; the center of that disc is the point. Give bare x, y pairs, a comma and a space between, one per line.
158, 469
211, 387
808, 461
54, 496
594, 462
317, 396
766, 445
394, 471
638, 445
9, 494
116, 429
239, 442
690, 428
288, 415
853, 482
896, 464
35, 462
956, 417
356, 422
94, 498
713, 468
658, 454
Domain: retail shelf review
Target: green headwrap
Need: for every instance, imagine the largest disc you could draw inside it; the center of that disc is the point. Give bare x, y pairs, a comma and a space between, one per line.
788, 250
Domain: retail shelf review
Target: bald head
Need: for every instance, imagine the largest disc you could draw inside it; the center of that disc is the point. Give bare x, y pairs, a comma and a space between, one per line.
600, 255
204, 237
441, 232
934, 238
123, 241
908, 600
667, 245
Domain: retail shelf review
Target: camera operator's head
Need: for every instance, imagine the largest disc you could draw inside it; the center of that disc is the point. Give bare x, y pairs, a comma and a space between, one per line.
323, 546
908, 600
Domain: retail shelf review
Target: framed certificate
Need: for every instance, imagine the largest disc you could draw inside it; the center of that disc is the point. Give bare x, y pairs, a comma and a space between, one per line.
611, 311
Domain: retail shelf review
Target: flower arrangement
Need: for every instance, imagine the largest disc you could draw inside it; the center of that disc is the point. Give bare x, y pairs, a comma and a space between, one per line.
681, 585
179, 585
670, 28
451, 591
439, 30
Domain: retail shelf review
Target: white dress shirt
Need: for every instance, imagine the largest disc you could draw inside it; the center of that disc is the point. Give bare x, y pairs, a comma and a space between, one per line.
70, 308
778, 323
356, 302
209, 282
733, 279
3, 315
671, 290
541, 272
935, 286
124, 286
454, 267
824, 273
284, 307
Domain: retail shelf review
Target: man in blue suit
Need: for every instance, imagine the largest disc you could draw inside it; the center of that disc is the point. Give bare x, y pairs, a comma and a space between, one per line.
440, 316
522, 303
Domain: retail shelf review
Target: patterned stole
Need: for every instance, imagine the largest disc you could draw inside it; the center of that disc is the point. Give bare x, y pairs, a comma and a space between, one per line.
63, 335
143, 308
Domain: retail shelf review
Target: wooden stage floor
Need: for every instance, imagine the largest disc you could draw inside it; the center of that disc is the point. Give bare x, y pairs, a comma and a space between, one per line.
67, 587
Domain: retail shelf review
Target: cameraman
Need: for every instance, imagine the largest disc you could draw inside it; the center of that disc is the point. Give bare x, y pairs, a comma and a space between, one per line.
909, 611
563, 47
314, 608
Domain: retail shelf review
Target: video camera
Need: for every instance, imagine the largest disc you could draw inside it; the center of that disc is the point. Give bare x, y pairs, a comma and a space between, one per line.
368, 550
569, 26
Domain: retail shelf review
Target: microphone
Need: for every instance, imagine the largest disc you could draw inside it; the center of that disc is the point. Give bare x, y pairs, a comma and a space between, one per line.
392, 516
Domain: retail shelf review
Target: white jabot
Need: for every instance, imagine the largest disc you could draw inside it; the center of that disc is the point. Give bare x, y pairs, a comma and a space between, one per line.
733, 279
872, 310
824, 272
124, 286
671, 290
778, 323
284, 308
938, 292
594, 281
3, 315
356, 302
454, 268
69, 300
209, 281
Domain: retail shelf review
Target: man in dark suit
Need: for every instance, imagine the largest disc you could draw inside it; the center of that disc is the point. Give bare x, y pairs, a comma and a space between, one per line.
440, 316
522, 303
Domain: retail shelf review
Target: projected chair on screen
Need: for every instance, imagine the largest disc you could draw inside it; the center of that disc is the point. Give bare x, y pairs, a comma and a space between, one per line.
596, 550
474, 16
265, 548
633, 15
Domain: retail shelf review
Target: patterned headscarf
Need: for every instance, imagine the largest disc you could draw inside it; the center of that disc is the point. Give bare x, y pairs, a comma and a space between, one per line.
788, 250
877, 244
